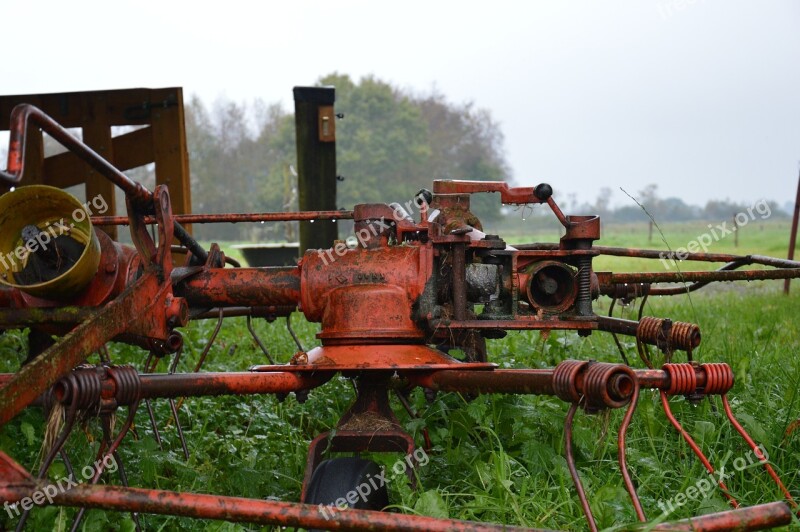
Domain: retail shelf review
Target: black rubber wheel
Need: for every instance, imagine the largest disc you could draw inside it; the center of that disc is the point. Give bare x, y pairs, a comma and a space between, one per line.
338, 479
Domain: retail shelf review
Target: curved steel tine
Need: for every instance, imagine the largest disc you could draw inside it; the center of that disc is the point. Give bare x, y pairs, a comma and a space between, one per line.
147, 361
105, 357
57, 448
153, 423
150, 413
291, 331
123, 477
109, 453
257, 339
197, 368
695, 448
207, 348
178, 427
67, 463
573, 471
758, 452
175, 361
623, 462
641, 306
614, 335
411, 412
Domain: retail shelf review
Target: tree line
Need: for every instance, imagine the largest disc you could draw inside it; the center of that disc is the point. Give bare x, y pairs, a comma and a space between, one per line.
390, 143
668, 209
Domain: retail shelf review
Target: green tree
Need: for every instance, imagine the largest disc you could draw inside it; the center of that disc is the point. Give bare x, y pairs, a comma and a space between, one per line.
390, 144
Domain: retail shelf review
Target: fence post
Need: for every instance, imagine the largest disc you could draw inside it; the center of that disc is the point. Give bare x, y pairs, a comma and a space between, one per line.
316, 162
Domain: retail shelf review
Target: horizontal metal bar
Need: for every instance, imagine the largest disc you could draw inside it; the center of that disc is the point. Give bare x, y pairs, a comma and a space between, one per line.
228, 383
607, 278
234, 217
238, 509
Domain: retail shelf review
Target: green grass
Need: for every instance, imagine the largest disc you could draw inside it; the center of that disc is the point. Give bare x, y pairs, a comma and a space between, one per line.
494, 458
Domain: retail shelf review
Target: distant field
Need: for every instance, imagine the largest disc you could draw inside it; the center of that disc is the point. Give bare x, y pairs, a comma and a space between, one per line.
494, 458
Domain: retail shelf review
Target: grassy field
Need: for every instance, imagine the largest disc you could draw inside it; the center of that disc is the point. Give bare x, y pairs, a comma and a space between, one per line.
494, 458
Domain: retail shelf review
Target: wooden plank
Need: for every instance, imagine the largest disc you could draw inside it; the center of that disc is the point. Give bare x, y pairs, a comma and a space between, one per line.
171, 155
97, 135
130, 150
123, 107
34, 156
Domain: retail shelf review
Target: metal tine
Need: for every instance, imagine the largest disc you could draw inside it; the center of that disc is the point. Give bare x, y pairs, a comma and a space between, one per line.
67, 463
257, 339
623, 462
123, 477
573, 471
759, 454
204, 354
207, 348
153, 423
105, 357
291, 331
175, 407
614, 335
149, 407
57, 448
414, 414
179, 428
175, 361
695, 448
197, 368
112, 448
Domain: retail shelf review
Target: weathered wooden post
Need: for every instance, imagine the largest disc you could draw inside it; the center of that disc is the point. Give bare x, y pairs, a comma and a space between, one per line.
315, 123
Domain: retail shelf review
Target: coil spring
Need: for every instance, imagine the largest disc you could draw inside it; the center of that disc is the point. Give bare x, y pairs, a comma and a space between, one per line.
127, 383
80, 388
719, 378
667, 334
604, 385
683, 379
565, 380
584, 299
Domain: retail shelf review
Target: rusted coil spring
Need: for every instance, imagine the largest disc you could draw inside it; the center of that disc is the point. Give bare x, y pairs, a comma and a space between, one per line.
600, 384
668, 335
683, 379
84, 386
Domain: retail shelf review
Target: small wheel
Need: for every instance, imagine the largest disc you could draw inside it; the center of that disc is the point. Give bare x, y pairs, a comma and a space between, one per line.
348, 479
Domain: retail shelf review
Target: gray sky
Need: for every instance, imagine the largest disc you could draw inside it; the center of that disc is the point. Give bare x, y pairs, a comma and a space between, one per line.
701, 97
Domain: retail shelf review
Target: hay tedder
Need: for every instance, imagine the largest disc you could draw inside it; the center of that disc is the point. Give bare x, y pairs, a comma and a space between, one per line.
392, 309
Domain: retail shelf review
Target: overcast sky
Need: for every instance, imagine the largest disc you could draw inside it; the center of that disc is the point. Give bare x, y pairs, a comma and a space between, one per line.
701, 97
